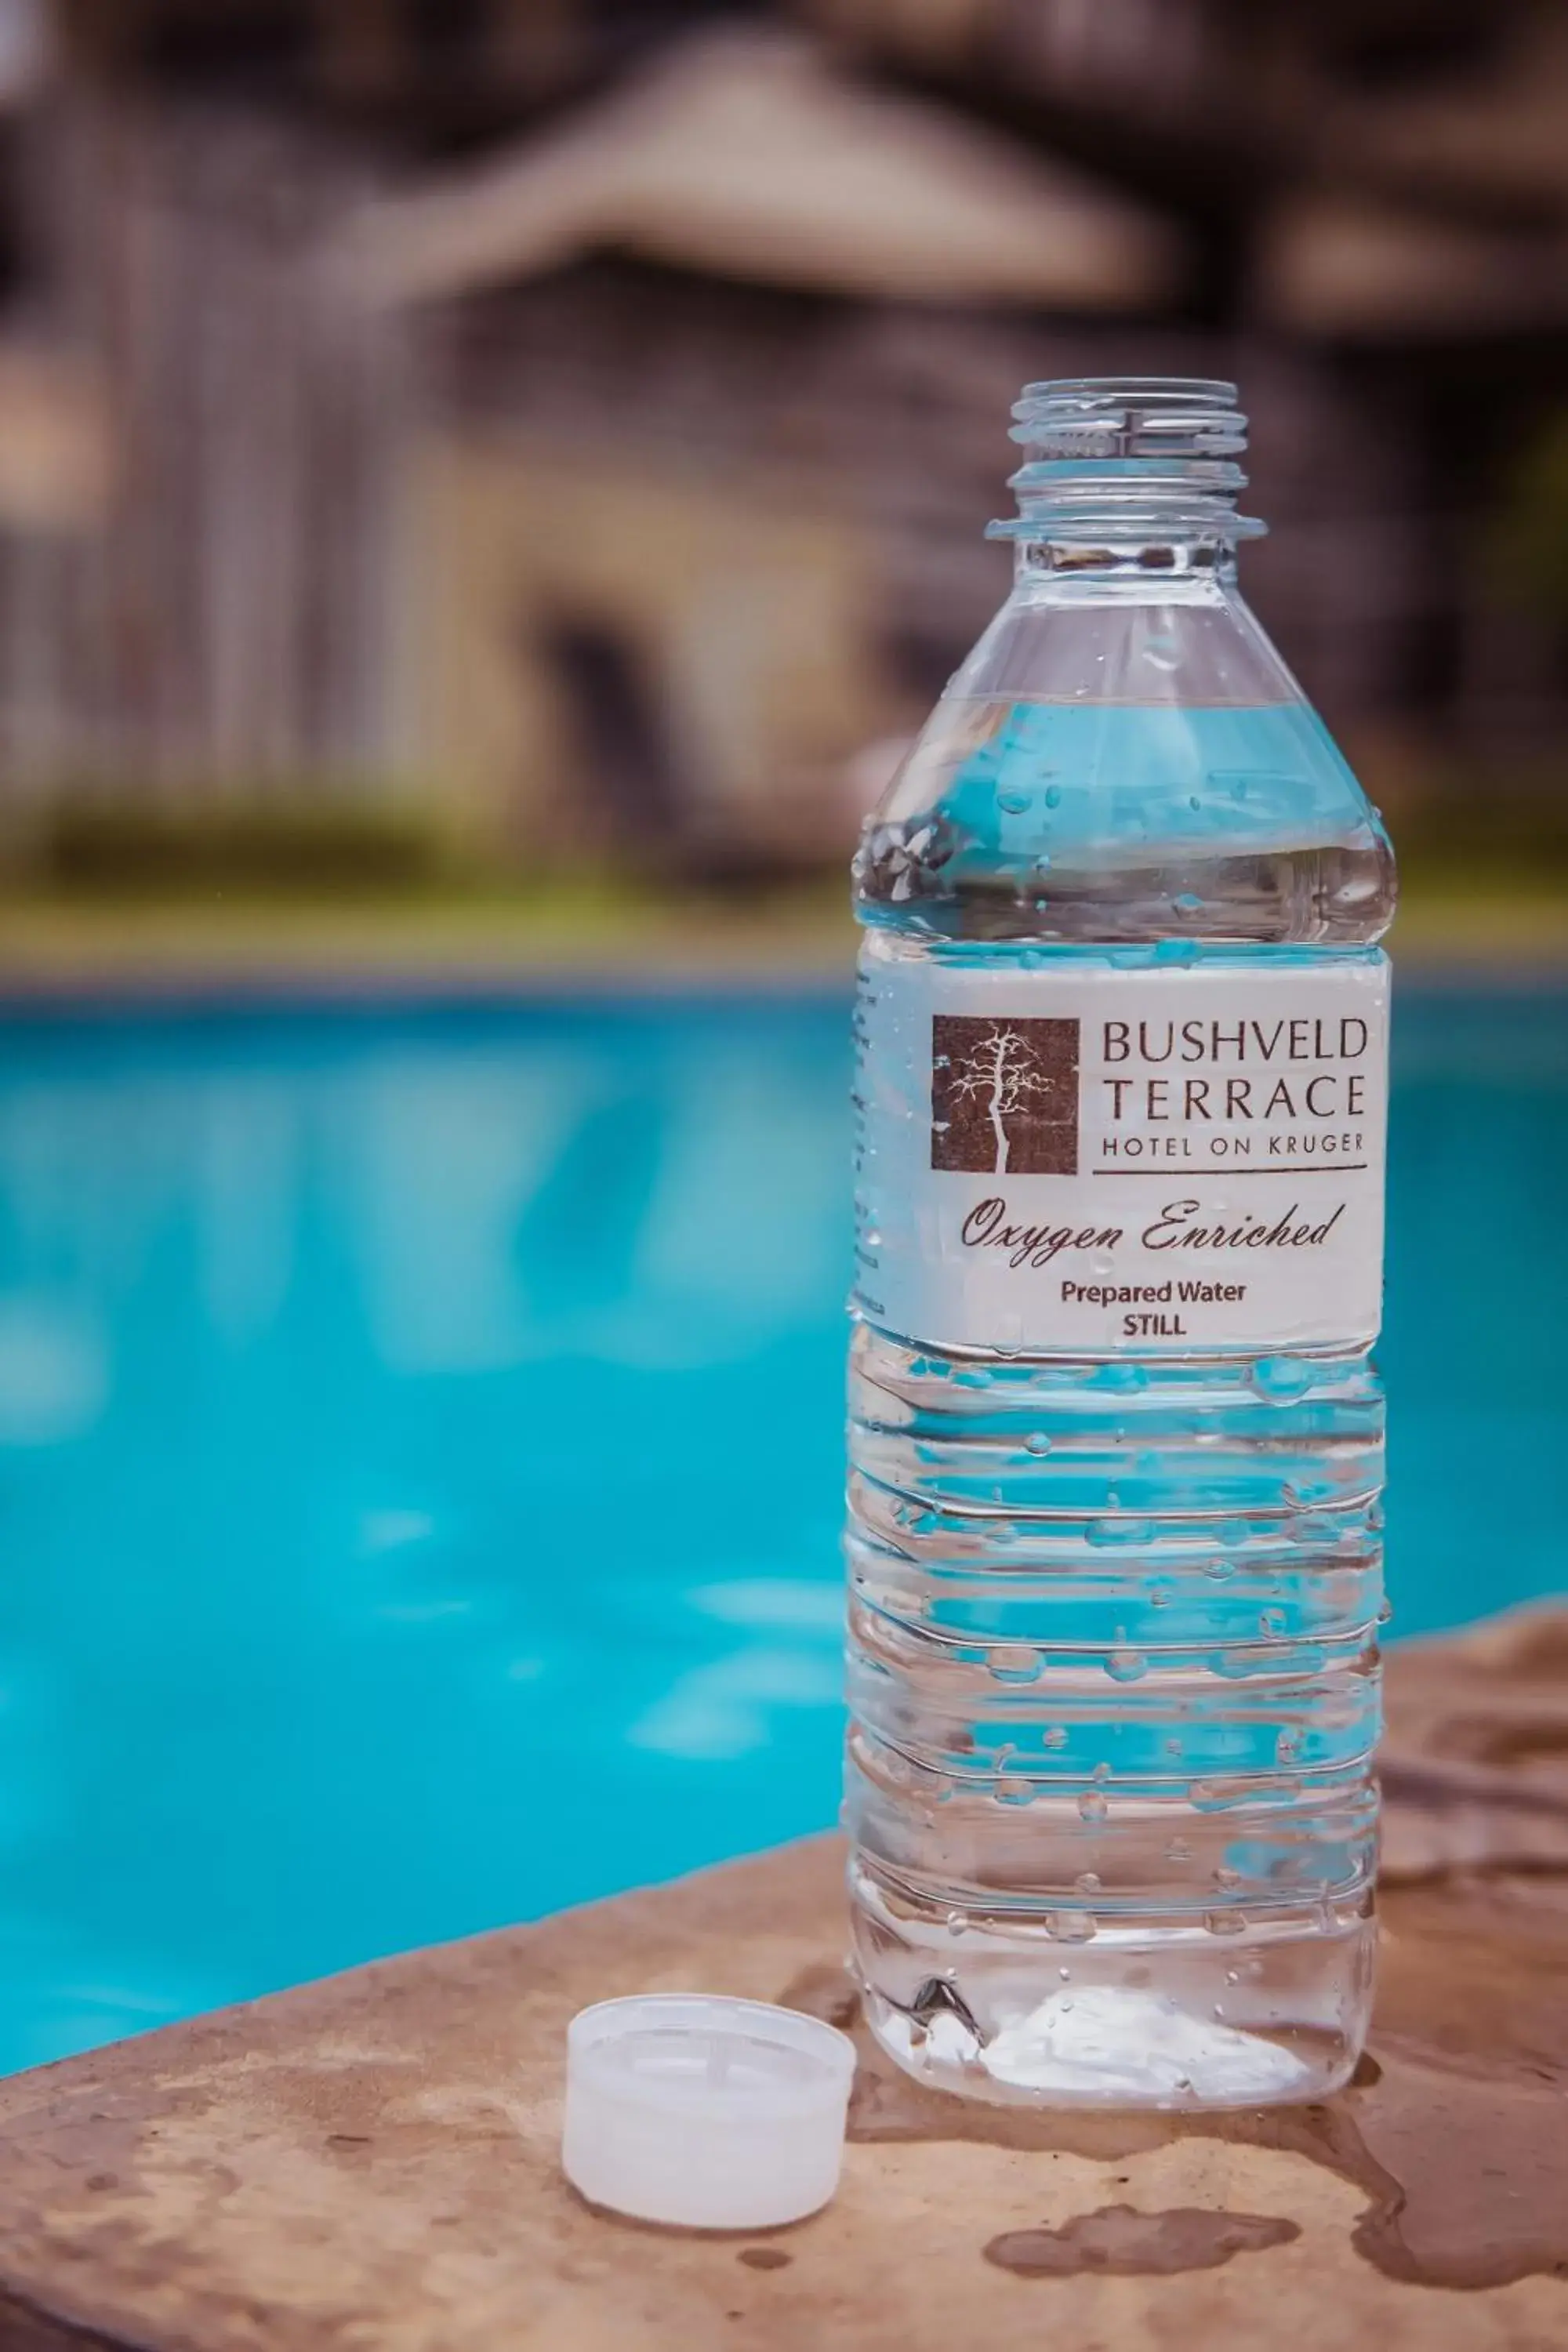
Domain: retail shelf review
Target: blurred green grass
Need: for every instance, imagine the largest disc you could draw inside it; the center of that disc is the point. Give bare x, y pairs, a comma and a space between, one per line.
584, 925
297, 891
587, 926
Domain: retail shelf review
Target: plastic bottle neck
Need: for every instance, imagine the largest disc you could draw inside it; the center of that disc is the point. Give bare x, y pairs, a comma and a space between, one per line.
1128, 478
1057, 570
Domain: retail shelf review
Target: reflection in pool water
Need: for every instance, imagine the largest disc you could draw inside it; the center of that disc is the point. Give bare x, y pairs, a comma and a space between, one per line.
420, 1457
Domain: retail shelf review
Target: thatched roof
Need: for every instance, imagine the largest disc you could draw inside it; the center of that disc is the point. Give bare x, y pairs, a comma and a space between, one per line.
1435, 210
1500, 135
1340, 266
749, 155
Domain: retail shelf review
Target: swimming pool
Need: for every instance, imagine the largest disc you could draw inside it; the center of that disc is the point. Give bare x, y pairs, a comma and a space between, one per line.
420, 1456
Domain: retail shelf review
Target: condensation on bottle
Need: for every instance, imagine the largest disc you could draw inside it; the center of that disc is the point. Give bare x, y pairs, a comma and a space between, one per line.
1116, 1440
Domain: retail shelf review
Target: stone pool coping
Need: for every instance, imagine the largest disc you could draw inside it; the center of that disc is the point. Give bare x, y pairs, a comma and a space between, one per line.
369, 2164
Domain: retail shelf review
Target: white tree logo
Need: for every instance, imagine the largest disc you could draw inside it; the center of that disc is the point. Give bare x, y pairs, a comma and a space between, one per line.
1001, 1072
1005, 1092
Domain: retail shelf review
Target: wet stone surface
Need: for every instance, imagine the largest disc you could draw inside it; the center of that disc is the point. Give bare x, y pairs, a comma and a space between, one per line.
371, 2161
1456, 2125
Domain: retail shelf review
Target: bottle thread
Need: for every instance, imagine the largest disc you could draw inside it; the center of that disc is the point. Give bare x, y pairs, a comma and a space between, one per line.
1129, 458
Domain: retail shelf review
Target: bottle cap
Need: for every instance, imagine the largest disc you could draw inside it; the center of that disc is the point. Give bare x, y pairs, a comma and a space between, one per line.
705, 2113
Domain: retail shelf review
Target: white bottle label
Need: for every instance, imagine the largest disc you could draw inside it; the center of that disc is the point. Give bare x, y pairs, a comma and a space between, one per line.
1092, 1161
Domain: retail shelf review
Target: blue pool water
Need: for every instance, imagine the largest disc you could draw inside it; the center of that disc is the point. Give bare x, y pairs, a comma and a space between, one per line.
420, 1457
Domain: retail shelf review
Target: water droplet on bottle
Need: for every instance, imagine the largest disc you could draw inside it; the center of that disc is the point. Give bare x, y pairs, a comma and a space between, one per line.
1178, 1851
1055, 1738
1102, 1773
957, 1922
1092, 1806
1272, 1622
1384, 1612
1287, 1747
1088, 1882
1013, 1791
1186, 902
1037, 1442
1053, 795
1070, 1927
1014, 803
1233, 1975
1282, 1379
1014, 1662
1225, 1923
1127, 1665
1064, 1974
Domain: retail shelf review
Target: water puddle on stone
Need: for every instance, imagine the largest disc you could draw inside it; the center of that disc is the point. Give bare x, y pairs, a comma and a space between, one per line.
1119, 2240
1454, 2128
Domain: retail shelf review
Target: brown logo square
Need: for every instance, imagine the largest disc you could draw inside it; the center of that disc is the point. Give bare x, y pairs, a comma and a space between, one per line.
1003, 1095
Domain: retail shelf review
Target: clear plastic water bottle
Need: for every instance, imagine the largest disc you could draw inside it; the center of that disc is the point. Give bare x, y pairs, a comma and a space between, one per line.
1116, 1441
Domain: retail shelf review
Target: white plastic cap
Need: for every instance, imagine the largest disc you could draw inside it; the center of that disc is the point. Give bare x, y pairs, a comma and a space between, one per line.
705, 2113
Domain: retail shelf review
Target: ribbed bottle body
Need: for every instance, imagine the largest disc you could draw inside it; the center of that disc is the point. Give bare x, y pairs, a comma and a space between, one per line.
1114, 1695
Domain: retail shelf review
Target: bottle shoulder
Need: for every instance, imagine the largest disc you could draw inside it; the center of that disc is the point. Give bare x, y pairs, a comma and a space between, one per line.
1160, 792
1074, 640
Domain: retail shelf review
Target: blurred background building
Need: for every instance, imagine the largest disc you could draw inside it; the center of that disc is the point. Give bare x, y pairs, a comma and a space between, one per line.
567, 426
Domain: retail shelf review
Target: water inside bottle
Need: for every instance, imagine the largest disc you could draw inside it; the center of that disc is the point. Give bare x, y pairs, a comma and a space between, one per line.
1114, 1613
